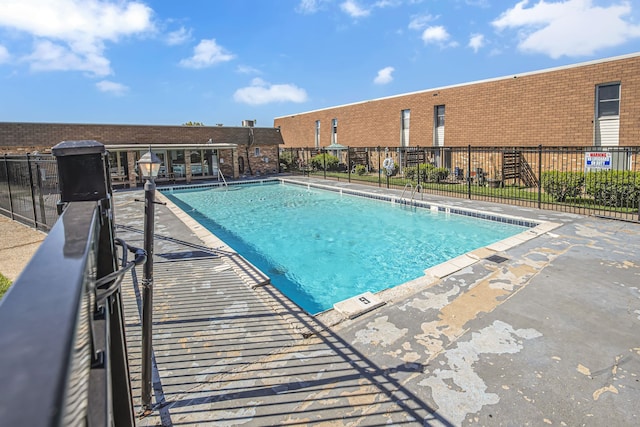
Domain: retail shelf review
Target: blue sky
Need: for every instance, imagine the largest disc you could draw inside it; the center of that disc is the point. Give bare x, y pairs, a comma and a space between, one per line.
217, 61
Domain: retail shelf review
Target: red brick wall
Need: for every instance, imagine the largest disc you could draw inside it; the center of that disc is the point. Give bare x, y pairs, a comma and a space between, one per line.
552, 108
29, 137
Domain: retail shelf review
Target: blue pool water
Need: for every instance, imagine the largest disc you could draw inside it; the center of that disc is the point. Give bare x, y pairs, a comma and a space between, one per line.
320, 247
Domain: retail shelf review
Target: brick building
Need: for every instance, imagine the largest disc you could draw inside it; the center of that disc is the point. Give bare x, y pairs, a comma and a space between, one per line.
188, 152
594, 103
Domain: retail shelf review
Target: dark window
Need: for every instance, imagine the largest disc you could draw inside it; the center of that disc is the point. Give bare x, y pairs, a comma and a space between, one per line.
440, 115
608, 100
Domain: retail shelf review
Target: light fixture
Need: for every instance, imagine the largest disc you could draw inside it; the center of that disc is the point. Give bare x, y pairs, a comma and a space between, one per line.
149, 165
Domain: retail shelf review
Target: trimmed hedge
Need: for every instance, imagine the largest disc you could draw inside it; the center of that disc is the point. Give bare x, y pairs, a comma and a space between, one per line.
331, 162
613, 188
606, 188
428, 173
561, 185
361, 170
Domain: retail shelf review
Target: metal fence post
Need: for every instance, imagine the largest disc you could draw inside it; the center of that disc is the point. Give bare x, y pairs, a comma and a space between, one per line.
379, 168
43, 212
469, 171
349, 163
324, 163
33, 194
6, 166
539, 176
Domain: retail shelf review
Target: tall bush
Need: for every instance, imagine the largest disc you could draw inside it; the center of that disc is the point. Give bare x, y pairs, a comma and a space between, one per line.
287, 161
561, 185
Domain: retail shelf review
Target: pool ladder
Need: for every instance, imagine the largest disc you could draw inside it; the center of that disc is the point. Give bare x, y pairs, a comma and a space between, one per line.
413, 191
220, 175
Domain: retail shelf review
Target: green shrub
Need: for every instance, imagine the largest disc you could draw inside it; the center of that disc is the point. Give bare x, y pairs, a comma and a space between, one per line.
5, 284
613, 188
361, 170
427, 172
287, 161
320, 160
561, 185
438, 174
411, 173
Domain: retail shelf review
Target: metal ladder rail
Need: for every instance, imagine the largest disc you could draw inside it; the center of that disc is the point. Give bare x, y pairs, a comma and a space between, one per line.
408, 184
220, 175
415, 190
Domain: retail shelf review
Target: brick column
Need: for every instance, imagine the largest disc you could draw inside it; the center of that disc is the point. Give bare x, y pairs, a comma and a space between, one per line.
131, 162
187, 165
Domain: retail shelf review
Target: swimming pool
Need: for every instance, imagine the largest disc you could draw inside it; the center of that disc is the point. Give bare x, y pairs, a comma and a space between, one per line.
320, 247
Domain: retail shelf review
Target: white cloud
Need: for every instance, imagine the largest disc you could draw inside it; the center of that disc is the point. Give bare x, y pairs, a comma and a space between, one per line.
48, 56
76, 29
476, 42
178, 37
245, 69
353, 9
112, 87
206, 54
419, 22
308, 7
4, 54
435, 34
570, 28
261, 92
387, 3
384, 76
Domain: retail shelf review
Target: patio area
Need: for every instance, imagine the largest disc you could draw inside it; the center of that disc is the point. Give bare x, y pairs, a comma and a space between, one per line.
547, 336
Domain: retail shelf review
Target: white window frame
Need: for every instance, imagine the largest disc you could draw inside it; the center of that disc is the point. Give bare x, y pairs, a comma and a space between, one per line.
405, 126
440, 117
334, 131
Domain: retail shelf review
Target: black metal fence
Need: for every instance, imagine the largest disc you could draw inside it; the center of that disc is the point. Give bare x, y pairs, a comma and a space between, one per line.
62, 334
600, 181
29, 189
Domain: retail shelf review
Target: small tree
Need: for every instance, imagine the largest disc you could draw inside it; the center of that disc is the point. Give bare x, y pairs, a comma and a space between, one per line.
193, 124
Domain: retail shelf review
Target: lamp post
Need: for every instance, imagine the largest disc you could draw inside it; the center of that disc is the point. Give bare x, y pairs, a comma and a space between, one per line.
149, 166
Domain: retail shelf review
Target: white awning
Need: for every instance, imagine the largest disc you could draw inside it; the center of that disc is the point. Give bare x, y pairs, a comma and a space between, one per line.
145, 147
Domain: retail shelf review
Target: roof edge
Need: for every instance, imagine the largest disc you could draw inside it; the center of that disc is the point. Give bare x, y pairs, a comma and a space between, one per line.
492, 79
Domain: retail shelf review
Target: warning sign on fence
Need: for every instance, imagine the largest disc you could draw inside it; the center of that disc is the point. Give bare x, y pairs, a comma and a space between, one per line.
597, 160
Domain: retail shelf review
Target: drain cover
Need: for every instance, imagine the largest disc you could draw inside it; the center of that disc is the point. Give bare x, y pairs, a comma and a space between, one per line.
496, 258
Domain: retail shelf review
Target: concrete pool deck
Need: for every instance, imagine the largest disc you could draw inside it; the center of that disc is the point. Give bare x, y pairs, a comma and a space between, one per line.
547, 336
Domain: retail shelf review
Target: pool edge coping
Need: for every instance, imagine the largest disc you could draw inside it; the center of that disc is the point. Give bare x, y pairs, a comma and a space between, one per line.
431, 276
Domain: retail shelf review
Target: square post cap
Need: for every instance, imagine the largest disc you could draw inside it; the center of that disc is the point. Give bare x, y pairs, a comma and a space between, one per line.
75, 148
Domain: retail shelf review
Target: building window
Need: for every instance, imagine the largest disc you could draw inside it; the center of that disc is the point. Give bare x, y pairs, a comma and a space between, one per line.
440, 115
256, 152
334, 131
405, 118
608, 100
317, 134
